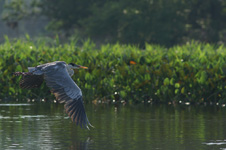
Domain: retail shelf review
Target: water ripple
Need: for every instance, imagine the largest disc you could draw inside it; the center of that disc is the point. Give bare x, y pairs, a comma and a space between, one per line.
218, 142
15, 104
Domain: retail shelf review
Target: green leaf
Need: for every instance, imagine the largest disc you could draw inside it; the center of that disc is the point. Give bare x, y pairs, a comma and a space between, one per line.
123, 94
166, 81
12, 90
19, 68
203, 77
182, 90
177, 85
172, 81
147, 77
88, 76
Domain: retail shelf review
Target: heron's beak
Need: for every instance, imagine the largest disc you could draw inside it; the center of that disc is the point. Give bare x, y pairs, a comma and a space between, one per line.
83, 67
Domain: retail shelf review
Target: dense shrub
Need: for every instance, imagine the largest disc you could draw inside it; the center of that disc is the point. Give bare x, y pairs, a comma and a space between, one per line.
192, 72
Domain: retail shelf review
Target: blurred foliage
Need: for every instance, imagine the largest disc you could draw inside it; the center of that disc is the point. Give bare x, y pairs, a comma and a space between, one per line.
192, 73
165, 22
16, 10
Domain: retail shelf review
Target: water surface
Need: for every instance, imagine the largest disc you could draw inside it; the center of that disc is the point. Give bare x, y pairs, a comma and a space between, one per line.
46, 126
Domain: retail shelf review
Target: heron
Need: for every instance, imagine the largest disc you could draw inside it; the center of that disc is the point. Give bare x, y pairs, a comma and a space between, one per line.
57, 76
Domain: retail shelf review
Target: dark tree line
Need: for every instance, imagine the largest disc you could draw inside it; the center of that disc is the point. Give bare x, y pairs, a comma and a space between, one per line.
165, 22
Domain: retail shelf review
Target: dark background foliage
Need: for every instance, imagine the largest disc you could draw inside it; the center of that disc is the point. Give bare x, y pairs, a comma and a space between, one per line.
165, 22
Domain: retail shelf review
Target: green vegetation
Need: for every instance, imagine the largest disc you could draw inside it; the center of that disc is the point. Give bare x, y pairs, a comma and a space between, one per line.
164, 22
192, 73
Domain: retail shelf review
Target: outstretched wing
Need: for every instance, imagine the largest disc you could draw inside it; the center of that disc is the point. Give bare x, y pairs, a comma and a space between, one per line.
66, 91
29, 80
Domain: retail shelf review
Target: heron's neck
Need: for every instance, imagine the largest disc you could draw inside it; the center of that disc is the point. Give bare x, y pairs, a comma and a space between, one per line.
70, 71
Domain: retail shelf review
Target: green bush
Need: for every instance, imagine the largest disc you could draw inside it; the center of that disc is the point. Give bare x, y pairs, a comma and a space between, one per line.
193, 72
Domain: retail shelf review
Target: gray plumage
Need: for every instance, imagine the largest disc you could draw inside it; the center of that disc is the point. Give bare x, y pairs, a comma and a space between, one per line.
57, 76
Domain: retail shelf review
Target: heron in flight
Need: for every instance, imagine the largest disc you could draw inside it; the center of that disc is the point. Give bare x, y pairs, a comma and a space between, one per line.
57, 76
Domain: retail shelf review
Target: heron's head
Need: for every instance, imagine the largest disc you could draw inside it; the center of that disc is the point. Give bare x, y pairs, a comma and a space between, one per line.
74, 66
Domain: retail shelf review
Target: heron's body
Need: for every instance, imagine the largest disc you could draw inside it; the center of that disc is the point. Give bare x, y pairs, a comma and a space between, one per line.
56, 65
57, 76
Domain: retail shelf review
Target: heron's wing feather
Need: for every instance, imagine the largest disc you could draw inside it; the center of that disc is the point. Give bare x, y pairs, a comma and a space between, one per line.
66, 90
29, 81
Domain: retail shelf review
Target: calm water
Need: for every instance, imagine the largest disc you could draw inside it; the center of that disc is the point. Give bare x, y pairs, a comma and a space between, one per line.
46, 126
